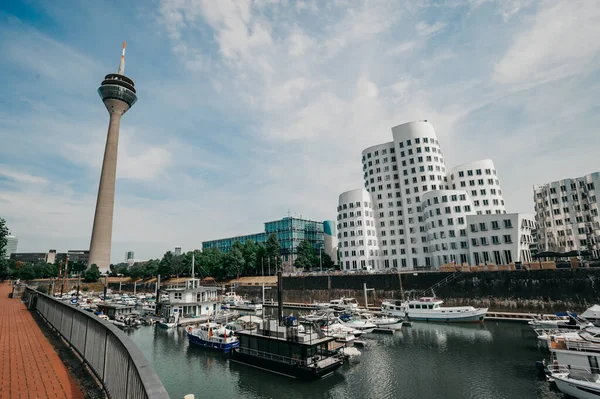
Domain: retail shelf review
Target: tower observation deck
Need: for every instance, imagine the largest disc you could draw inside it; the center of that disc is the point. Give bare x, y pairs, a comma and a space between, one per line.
118, 94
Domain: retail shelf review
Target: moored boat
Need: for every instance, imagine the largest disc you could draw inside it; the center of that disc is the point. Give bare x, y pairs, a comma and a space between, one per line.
592, 314
581, 384
212, 336
430, 309
287, 349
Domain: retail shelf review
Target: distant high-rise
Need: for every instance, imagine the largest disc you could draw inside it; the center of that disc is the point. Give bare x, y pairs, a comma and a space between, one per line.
11, 245
177, 251
118, 94
129, 255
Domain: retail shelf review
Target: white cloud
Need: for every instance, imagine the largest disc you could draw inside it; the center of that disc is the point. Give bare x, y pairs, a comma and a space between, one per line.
402, 48
555, 43
20, 177
299, 44
425, 29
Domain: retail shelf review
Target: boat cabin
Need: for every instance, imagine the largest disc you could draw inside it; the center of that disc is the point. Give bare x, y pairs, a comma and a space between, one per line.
288, 344
114, 310
190, 299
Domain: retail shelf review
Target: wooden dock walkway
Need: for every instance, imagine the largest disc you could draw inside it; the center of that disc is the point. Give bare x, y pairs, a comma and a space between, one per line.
29, 366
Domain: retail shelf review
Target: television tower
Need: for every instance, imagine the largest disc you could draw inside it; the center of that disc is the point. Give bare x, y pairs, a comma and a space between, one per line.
118, 94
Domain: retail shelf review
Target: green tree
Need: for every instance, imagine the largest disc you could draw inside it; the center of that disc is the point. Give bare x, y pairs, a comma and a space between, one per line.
27, 272
212, 261
249, 252
165, 267
235, 260
261, 255
179, 267
327, 261
79, 267
306, 257
273, 251
92, 274
151, 268
3, 241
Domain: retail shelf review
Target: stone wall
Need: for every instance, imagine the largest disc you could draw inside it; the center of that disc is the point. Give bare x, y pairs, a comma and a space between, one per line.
519, 290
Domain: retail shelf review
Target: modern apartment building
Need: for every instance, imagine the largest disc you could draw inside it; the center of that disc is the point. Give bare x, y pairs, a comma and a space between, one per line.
567, 215
12, 243
290, 232
416, 208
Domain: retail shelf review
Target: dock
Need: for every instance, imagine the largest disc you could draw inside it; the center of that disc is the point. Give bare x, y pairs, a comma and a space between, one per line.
512, 316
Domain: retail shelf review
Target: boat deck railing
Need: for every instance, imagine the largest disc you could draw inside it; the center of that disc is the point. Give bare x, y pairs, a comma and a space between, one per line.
585, 373
321, 359
115, 360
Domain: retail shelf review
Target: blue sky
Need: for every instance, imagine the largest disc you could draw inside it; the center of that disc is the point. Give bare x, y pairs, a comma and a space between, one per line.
249, 109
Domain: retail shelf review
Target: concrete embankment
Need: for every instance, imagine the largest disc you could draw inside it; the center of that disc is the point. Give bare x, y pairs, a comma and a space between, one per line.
536, 291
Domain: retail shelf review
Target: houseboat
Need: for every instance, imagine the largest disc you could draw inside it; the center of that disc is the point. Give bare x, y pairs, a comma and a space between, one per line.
288, 349
190, 300
430, 309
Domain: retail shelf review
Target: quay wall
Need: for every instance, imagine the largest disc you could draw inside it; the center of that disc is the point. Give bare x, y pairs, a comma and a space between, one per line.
516, 291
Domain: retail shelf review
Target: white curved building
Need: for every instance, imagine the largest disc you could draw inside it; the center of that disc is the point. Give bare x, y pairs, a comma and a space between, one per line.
419, 208
480, 180
445, 214
358, 245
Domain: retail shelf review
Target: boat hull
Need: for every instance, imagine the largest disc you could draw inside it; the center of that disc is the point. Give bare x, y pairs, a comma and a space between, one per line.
285, 369
577, 389
217, 346
390, 326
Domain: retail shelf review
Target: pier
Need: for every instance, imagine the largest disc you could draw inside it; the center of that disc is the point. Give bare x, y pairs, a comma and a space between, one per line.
29, 365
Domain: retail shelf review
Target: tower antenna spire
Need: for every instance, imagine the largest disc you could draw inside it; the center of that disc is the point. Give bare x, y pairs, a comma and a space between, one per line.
121, 70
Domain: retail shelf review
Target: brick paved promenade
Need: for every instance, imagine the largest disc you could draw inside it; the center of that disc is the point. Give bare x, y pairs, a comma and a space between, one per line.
29, 366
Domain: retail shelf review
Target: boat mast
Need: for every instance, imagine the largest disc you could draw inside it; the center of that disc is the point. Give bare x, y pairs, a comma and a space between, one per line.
401, 288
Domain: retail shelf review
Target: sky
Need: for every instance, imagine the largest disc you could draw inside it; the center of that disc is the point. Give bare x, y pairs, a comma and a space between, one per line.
249, 111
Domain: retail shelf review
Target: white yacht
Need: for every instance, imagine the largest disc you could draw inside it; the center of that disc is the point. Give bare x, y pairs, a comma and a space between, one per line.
430, 309
387, 323
353, 322
579, 350
565, 320
581, 384
348, 304
592, 314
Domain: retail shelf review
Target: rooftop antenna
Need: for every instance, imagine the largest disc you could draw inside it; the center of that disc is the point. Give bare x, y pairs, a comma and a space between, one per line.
121, 70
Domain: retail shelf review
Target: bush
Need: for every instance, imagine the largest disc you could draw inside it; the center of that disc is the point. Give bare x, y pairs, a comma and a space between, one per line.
92, 274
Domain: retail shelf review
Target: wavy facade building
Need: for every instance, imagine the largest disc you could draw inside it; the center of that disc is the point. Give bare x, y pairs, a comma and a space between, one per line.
419, 208
567, 215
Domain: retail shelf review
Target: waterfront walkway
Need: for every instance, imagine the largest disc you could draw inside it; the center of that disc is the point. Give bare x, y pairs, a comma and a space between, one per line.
29, 366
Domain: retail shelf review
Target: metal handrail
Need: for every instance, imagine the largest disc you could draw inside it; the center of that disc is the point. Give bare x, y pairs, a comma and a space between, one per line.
116, 361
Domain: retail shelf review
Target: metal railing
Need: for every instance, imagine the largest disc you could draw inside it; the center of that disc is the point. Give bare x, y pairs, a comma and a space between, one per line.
115, 360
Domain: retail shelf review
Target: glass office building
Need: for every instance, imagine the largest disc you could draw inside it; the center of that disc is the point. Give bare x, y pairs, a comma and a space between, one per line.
290, 231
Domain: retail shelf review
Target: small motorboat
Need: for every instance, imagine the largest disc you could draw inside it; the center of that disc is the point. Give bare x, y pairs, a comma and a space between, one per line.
386, 323
213, 336
353, 322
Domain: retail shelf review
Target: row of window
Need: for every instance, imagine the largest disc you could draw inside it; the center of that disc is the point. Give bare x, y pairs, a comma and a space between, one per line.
480, 182
346, 215
565, 200
495, 240
563, 188
353, 204
478, 172
428, 158
383, 152
384, 160
495, 225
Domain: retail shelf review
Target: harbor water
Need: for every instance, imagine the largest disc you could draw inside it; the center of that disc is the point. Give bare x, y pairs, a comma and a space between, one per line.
488, 360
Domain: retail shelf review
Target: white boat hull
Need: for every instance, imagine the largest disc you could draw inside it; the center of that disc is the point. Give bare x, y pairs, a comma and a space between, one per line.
577, 389
469, 316
390, 326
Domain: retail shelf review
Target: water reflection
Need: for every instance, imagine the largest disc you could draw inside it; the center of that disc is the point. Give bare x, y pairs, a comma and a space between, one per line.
491, 360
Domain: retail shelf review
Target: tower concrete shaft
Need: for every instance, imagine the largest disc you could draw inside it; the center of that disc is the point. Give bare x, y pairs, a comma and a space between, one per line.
118, 94
103, 218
